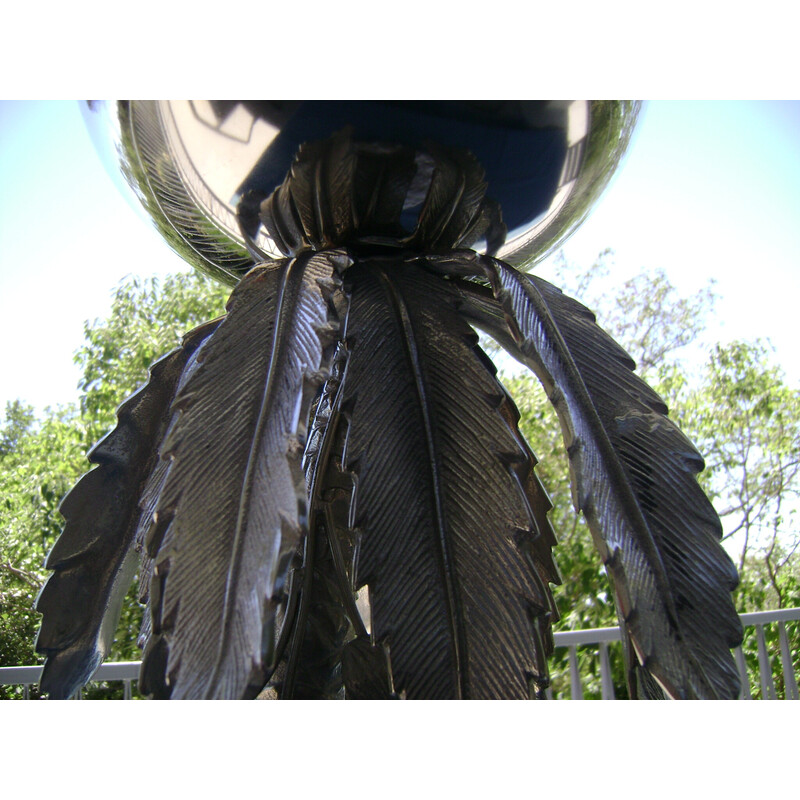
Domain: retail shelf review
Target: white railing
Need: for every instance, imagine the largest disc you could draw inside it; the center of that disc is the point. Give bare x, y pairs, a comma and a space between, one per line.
125, 671
599, 638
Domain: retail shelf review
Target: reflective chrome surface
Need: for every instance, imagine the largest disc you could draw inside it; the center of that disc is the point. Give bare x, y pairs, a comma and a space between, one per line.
188, 162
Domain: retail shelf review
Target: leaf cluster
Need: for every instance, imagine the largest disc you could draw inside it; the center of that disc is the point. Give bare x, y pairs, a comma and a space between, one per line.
737, 408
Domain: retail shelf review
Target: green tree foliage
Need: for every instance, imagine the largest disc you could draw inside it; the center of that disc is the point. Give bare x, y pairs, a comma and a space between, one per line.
42, 458
747, 423
146, 322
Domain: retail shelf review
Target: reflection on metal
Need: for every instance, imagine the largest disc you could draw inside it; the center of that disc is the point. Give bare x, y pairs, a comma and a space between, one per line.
189, 162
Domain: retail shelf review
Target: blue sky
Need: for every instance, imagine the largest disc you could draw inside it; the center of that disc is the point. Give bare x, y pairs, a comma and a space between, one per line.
709, 190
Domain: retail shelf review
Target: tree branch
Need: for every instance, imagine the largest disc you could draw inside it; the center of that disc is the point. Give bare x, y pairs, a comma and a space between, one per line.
33, 580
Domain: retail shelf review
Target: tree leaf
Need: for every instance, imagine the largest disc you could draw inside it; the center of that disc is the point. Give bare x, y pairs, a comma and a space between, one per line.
231, 512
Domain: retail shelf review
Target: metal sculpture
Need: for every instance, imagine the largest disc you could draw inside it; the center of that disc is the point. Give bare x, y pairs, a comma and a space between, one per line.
340, 433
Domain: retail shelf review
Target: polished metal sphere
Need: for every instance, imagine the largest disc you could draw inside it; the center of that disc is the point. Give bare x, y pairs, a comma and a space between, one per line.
188, 163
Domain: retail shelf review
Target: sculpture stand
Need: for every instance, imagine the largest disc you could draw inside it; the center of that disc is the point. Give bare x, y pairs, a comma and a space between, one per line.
341, 432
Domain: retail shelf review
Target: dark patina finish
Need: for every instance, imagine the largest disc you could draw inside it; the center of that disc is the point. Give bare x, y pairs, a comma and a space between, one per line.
327, 491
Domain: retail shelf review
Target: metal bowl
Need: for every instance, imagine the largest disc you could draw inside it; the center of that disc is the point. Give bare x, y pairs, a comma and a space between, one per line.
189, 162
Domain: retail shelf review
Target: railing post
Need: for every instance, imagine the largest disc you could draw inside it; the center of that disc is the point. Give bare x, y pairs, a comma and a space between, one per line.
743, 676
607, 685
764, 666
789, 682
576, 690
